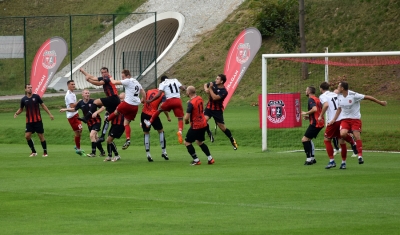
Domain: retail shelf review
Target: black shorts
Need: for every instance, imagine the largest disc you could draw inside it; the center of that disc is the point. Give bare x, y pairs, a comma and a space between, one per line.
116, 131
34, 127
156, 124
218, 115
312, 131
110, 102
195, 134
95, 127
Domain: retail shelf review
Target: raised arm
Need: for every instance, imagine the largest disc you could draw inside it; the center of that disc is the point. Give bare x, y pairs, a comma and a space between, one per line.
368, 97
91, 79
212, 94
115, 82
206, 85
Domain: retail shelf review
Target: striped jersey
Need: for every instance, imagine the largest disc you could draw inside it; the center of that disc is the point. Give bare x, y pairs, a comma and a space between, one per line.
195, 108
108, 87
32, 108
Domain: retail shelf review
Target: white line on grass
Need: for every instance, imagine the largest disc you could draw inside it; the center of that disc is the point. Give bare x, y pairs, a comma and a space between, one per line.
222, 204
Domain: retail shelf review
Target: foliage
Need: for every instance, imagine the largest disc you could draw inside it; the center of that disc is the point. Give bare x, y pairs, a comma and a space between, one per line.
280, 19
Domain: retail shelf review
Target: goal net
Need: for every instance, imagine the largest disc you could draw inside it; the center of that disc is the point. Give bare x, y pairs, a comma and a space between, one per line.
285, 78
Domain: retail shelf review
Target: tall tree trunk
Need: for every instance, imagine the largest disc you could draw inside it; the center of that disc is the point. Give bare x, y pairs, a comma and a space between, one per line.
303, 48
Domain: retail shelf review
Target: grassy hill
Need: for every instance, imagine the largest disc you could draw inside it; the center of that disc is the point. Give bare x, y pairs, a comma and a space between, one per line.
342, 26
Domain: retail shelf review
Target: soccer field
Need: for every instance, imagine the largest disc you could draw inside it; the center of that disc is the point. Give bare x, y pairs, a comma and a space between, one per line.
244, 192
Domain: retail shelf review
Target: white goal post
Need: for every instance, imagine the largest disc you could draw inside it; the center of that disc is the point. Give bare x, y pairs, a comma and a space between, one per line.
264, 77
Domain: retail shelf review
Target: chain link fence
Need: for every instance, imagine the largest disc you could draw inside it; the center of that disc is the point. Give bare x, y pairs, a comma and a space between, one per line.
93, 41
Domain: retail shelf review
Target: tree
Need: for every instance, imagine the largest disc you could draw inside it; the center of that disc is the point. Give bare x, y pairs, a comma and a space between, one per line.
279, 19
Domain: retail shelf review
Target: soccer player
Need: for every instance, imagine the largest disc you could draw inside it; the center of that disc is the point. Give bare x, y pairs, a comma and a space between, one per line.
198, 127
329, 105
116, 131
34, 122
148, 110
93, 124
217, 93
111, 101
70, 102
314, 110
128, 107
349, 107
170, 87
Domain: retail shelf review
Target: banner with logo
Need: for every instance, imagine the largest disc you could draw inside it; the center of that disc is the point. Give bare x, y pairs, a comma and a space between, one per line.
240, 55
46, 62
283, 110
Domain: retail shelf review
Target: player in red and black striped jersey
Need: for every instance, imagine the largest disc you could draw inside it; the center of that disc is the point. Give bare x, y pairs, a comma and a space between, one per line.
116, 131
313, 113
217, 93
111, 101
93, 124
198, 126
30, 102
147, 112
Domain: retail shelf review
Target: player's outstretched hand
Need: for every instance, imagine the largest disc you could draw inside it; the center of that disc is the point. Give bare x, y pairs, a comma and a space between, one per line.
51, 117
383, 103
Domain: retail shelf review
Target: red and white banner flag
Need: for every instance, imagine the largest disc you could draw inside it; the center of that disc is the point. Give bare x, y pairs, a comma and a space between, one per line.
47, 60
240, 55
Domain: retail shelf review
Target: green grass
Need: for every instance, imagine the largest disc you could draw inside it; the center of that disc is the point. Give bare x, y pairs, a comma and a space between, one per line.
244, 192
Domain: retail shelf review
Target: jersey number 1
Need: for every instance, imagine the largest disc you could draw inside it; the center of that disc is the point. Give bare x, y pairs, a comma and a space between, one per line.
176, 88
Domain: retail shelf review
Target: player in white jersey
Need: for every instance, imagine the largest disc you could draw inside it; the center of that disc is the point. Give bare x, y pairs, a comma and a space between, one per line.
349, 108
128, 107
171, 89
330, 104
70, 102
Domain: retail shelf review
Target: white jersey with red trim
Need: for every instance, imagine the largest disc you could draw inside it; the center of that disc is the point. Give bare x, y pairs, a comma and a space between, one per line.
350, 105
171, 88
132, 91
70, 98
332, 99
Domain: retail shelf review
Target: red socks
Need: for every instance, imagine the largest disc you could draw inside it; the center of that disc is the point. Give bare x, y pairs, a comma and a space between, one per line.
359, 147
128, 132
344, 151
180, 124
78, 142
329, 148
